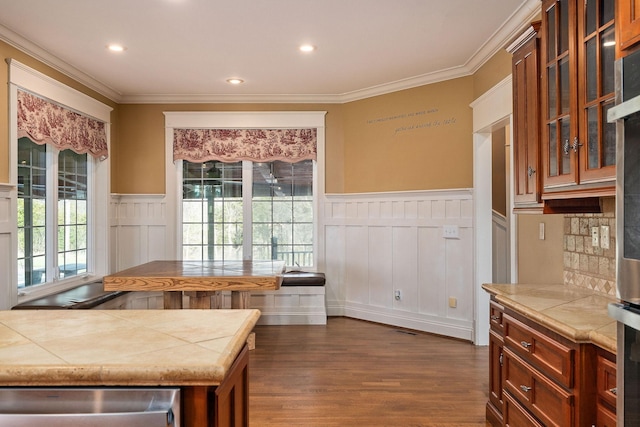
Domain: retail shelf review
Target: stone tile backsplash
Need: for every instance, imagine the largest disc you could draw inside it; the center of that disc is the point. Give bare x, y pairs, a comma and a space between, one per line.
585, 265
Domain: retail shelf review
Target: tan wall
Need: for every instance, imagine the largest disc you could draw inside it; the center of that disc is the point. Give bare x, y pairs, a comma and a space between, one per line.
491, 73
540, 261
7, 52
138, 158
415, 139
499, 171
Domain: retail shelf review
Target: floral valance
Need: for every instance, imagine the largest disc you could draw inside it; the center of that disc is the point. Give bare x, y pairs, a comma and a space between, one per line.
44, 122
233, 145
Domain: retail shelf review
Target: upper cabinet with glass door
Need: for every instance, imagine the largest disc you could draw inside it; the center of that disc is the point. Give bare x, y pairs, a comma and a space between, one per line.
578, 54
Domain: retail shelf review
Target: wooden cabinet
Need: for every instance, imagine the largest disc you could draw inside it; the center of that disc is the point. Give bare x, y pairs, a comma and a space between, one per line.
627, 23
577, 89
526, 117
539, 378
225, 405
495, 406
607, 390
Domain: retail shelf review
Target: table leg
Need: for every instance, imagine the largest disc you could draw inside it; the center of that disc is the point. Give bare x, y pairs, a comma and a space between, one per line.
240, 299
200, 299
173, 299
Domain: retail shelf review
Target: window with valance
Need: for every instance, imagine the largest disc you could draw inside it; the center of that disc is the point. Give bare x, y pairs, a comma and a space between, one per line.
247, 193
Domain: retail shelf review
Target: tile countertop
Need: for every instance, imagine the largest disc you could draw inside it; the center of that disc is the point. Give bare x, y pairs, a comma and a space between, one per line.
576, 313
120, 347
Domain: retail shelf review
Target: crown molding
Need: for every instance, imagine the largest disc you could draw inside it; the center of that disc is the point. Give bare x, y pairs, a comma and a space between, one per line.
513, 26
17, 41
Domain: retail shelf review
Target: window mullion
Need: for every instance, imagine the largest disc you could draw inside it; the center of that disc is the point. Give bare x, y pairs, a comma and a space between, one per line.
51, 244
247, 214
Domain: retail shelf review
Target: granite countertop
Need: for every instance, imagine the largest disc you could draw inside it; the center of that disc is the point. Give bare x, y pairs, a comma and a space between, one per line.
121, 347
576, 313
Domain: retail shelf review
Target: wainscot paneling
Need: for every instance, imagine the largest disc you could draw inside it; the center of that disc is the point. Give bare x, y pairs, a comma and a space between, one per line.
138, 230
387, 259
7, 240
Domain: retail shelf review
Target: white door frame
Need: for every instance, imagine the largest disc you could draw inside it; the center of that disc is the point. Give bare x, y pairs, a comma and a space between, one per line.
492, 110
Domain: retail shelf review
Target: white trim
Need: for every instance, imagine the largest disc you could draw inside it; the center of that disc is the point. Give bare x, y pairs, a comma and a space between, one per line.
490, 111
21, 76
238, 120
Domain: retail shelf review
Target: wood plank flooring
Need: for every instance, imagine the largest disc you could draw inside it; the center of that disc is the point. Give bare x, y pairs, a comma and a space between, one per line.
356, 373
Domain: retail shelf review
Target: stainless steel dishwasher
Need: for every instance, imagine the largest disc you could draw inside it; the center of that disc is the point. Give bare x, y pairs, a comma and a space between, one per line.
89, 407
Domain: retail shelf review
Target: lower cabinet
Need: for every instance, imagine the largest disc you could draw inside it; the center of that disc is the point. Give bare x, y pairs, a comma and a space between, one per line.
539, 378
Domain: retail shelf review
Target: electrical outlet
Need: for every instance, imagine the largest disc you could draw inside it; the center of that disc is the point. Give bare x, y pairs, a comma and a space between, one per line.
397, 294
541, 231
595, 236
604, 237
451, 232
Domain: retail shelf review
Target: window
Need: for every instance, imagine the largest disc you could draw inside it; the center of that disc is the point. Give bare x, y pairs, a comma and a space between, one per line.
276, 222
51, 213
59, 141
235, 195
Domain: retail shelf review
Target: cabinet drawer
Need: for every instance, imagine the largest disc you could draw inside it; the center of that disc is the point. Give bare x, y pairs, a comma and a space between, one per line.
605, 418
606, 381
549, 402
496, 312
516, 416
553, 358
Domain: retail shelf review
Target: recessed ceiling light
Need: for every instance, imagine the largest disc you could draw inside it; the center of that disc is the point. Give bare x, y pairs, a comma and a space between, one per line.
307, 48
116, 48
235, 81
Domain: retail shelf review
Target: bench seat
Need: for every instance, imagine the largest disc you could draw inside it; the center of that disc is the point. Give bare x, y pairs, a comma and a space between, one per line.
303, 278
86, 296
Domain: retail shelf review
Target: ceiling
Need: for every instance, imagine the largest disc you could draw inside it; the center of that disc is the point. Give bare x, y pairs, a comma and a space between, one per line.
185, 50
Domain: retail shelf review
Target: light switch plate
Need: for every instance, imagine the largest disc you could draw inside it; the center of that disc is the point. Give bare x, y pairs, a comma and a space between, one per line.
541, 231
451, 232
604, 237
595, 236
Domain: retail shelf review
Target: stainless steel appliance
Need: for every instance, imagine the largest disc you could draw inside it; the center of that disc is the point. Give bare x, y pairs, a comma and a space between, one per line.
626, 114
89, 407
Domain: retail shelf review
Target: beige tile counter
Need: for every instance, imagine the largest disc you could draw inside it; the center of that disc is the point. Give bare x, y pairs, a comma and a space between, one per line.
121, 347
576, 313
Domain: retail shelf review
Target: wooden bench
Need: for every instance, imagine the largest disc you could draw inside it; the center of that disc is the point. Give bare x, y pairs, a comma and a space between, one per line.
86, 296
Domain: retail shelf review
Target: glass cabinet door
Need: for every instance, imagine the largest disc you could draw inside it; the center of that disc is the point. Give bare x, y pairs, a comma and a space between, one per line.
559, 88
596, 38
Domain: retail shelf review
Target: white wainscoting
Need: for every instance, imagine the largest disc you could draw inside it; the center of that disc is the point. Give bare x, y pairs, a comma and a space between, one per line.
380, 243
139, 230
8, 293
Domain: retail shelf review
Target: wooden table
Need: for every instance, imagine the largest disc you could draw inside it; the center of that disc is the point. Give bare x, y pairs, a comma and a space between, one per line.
201, 281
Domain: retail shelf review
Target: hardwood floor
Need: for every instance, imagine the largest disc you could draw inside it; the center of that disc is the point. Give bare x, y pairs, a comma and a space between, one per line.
356, 373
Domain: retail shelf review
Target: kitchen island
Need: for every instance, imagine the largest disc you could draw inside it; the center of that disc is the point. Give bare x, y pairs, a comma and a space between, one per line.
203, 352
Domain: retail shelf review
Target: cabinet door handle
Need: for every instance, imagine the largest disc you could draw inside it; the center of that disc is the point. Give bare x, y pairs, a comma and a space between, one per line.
611, 390
576, 145
530, 171
496, 318
525, 344
525, 388
501, 358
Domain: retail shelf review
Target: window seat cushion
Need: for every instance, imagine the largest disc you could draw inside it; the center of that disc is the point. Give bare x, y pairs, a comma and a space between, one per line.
303, 278
84, 296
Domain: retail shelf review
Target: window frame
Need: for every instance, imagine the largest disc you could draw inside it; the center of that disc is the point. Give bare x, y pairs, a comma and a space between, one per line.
25, 78
241, 120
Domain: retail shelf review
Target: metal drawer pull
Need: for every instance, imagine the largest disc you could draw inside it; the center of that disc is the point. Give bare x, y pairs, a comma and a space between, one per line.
525, 344
614, 390
525, 388
496, 318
